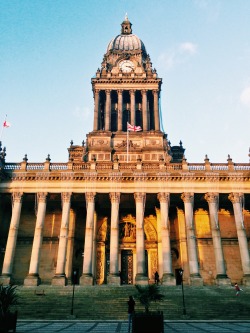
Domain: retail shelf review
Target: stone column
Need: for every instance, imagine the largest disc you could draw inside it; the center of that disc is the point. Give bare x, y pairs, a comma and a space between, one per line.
144, 110
213, 203
156, 110
167, 277
60, 278
70, 246
237, 201
132, 106
6, 276
87, 275
96, 110
33, 278
195, 278
141, 277
114, 277
107, 110
120, 110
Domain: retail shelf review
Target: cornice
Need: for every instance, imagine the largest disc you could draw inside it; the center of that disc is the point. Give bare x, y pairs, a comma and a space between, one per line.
133, 175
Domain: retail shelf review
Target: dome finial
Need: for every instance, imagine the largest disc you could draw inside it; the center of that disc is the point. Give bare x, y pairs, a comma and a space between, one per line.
126, 26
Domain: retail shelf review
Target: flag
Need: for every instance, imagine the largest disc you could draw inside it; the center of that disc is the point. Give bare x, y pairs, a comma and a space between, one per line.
133, 128
6, 124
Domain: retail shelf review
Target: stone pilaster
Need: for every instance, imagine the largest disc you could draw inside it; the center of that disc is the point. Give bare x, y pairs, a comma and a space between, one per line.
132, 106
60, 276
141, 277
6, 276
167, 277
107, 110
195, 278
156, 110
237, 201
87, 275
114, 277
213, 203
144, 110
33, 278
119, 111
96, 110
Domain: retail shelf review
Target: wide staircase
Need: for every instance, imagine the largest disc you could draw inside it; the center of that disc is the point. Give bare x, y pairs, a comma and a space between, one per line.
109, 302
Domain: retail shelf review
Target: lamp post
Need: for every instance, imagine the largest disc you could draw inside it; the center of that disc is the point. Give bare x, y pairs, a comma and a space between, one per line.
73, 294
183, 298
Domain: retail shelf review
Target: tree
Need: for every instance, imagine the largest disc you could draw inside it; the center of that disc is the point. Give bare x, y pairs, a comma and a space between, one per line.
148, 294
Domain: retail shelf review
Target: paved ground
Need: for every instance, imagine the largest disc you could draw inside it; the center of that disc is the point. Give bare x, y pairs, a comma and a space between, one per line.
82, 326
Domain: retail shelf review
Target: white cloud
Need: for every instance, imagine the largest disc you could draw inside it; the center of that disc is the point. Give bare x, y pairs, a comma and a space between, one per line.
188, 47
210, 7
178, 55
167, 60
245, 96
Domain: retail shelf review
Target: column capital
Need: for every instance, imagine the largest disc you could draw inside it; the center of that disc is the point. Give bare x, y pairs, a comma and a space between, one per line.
108, 91
212, 197
155, 91
163, 197
114, 197
90, 196
139, 197
66, 196
97, 91
187, 197
236, 197
42, 196
119, 91
143, 91
17, 197
132, 91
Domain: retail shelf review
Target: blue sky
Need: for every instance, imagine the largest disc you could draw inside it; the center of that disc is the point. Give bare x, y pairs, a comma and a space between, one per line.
50, 49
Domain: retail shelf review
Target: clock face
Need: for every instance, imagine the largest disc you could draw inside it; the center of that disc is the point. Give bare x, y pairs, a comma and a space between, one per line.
126, 66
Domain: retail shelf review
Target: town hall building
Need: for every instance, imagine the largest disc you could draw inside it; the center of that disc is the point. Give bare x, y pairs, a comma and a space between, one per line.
127, 203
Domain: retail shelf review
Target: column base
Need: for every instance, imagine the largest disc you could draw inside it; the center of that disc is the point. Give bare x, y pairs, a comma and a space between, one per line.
168, 279
141, 279
246, 280
86, 280
222, 280
6, 279
196, 280
59, 280
114, 279
32, 280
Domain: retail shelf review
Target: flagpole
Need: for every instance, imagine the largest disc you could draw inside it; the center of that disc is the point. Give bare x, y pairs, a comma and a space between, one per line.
1, 134
127, 142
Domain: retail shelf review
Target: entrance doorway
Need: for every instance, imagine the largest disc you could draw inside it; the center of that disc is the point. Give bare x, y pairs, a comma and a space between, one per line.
178, 277
127, 267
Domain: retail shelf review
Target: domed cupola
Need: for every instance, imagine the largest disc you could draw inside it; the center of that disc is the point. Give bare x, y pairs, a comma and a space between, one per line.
126, 41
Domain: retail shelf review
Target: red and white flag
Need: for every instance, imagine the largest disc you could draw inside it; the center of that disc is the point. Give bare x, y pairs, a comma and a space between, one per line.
133, 128
6, 124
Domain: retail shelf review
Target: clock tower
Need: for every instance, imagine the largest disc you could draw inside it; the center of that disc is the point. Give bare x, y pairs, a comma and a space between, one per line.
126, 91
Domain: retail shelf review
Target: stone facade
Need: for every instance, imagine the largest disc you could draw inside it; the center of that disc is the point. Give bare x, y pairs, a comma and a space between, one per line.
126, 203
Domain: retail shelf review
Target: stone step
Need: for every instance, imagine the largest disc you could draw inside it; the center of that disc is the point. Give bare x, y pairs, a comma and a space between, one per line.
104, 302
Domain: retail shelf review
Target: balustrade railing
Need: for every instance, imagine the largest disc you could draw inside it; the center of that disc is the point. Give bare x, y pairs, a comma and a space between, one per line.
12, 166
172, 167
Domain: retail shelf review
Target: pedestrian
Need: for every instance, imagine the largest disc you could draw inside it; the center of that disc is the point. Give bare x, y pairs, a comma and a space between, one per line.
237, 289
120, 275
131, 310
157, 280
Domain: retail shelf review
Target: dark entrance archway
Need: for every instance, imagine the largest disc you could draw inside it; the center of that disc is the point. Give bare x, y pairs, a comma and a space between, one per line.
127, 267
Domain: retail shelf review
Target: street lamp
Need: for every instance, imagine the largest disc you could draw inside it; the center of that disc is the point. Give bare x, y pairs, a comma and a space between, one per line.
73, 295
183, 298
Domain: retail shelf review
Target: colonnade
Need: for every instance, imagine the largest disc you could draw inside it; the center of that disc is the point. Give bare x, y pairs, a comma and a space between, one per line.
108, 104
87, 277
